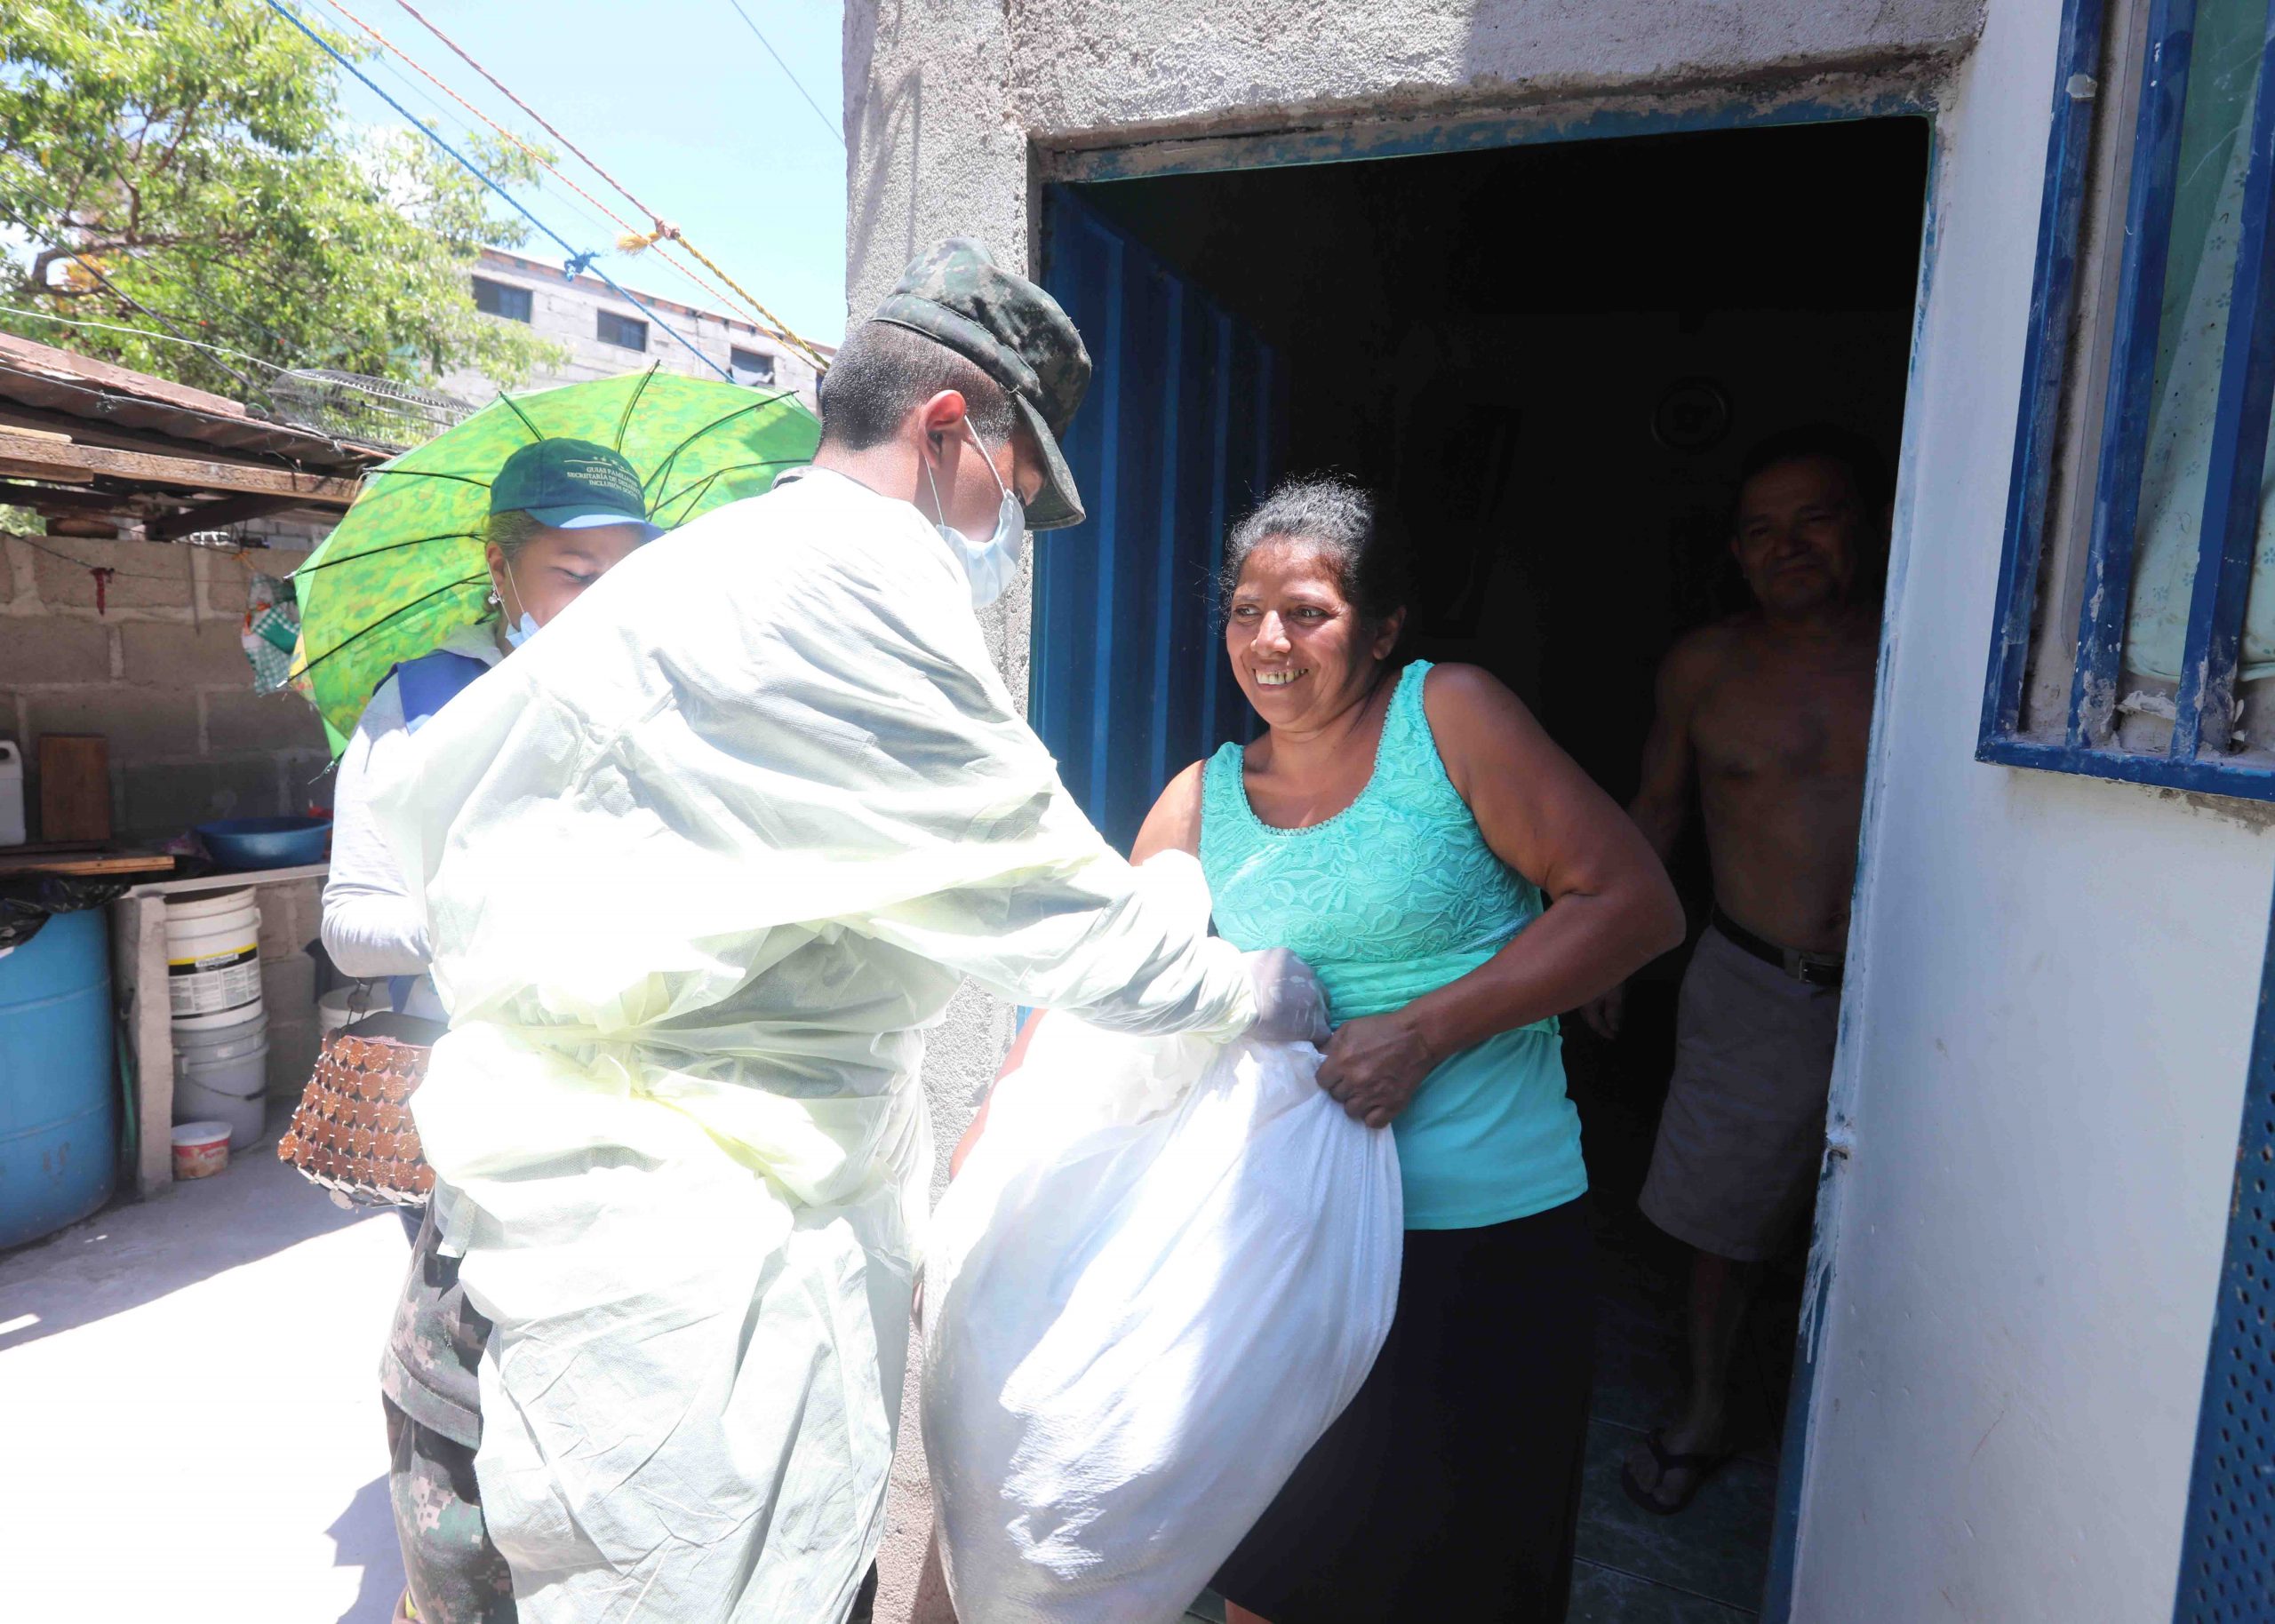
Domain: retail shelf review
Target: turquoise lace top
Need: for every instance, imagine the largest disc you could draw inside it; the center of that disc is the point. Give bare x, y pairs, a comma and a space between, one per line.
1393, 897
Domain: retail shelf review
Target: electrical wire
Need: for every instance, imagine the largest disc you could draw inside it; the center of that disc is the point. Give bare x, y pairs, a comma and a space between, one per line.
621, 224
127, 298
346, 20
134, 575
198, 344
786, 74
663, 230
294, 17
580, 209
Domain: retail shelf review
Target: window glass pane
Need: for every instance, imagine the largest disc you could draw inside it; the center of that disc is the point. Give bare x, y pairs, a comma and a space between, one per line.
501, 298
2207, 218
752, 366
621, 331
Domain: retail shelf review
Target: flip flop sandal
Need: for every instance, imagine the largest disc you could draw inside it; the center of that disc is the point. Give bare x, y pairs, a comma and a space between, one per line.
1701, 1466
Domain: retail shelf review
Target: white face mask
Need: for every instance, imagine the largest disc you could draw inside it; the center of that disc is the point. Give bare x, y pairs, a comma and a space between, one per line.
527, 627
990, 565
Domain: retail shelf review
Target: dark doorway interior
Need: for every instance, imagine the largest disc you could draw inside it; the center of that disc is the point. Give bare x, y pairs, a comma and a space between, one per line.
1550, 360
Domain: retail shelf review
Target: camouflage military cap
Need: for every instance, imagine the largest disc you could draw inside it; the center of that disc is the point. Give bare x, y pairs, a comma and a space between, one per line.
956, 295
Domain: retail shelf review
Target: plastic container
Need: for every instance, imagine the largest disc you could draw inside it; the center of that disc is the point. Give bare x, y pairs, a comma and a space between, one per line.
201, 1150
213, 959
221, 1073
58, 1092
342, 1004
243, 843
11, 794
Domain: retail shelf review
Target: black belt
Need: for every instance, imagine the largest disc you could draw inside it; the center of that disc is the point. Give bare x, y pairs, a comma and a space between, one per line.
1811, 969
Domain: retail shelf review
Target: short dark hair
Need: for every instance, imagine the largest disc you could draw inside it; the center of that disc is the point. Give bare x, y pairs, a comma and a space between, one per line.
883, 373
1832, 443
1337, 517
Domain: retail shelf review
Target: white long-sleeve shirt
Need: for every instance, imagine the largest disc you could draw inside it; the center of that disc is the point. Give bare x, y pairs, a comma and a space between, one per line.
371, 925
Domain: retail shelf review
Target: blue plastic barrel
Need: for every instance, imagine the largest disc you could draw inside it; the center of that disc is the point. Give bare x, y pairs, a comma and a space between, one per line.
59, 1098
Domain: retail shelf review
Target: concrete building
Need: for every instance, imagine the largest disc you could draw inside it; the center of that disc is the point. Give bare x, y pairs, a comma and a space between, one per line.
606, 334
1542, 272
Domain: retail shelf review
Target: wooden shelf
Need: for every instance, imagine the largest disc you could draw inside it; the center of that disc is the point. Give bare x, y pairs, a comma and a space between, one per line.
82, 865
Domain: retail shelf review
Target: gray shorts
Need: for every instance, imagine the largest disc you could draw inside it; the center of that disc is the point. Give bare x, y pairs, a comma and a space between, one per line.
1735, 1171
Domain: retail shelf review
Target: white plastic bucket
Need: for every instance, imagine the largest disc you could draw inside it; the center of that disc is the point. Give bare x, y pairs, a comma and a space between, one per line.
246, 1033
343, 1004
224, 1078
213, 959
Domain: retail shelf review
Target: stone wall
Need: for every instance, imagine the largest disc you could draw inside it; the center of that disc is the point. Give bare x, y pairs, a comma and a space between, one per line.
158, 671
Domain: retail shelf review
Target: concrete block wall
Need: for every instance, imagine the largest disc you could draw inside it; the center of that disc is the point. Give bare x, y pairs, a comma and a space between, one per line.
158, 670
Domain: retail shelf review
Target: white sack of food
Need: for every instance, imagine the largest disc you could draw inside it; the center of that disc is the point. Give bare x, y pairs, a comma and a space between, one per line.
1165, 1268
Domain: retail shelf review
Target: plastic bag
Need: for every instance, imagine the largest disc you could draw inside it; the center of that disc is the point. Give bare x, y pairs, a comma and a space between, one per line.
1166, 1266
271, 629
29, 901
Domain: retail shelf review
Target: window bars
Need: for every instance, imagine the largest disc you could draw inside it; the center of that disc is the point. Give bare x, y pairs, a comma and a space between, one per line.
2178, 449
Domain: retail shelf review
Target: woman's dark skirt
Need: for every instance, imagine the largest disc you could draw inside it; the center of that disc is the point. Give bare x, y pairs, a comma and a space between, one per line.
1451, 1485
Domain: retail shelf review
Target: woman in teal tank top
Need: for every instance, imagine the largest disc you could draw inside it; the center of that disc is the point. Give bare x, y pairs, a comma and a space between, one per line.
1456, 881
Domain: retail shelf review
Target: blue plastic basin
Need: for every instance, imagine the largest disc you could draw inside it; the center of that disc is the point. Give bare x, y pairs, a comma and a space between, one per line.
244, 843
58, 1104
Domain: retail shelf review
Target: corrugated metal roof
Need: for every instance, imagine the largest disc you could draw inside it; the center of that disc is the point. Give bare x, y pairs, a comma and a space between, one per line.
35, 375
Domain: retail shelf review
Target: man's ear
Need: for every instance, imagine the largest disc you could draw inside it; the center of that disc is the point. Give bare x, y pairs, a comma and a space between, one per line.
943, 414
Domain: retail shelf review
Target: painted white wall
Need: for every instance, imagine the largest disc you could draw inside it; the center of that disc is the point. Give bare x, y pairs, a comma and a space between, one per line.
2044, 1056
2044, 1059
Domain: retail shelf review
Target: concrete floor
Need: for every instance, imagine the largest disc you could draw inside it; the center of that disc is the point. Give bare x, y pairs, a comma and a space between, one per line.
191, 1417
191, 1409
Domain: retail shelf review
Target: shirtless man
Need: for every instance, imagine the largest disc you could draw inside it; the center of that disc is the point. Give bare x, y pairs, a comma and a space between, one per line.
1766, 713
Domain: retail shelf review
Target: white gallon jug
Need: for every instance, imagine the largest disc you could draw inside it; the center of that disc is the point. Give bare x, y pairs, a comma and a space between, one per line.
11, 794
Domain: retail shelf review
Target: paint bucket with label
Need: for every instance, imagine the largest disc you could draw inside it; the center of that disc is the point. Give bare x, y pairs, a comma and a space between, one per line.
221, 1073
213, 959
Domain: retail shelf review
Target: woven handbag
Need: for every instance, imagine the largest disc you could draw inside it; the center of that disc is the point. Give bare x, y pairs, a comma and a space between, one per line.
352, 1133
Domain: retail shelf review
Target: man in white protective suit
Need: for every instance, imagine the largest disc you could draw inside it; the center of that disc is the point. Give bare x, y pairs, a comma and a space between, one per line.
699, 865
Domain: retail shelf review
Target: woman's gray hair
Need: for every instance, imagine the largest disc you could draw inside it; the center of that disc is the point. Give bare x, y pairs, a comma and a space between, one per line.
509, 532
1336, 517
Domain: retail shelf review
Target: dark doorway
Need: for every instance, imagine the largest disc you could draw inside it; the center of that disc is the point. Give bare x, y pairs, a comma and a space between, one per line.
1549, 360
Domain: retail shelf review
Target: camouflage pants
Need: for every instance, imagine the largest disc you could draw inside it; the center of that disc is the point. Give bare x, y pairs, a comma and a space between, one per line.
456, 1575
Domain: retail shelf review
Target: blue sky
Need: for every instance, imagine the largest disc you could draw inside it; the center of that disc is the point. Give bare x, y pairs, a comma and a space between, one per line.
675, 98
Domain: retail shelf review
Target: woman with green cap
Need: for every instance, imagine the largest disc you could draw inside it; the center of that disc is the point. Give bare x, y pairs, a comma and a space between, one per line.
562, 513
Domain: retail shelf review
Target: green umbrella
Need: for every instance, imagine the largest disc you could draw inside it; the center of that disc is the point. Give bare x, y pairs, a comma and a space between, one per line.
405, 568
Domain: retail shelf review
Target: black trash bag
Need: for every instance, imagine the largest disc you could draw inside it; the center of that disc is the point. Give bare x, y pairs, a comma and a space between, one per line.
29, 901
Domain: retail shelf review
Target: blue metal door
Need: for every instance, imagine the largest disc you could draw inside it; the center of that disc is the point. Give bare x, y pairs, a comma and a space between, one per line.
2227, 1556
1180, 435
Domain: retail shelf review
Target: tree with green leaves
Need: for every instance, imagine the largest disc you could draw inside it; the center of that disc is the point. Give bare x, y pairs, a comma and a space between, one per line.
184, 166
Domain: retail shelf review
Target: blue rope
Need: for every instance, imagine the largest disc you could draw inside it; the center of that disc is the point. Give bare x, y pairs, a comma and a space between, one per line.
294, 18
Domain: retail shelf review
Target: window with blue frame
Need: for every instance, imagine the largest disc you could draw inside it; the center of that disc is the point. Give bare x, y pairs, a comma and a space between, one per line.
2137, 618
2136, 634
